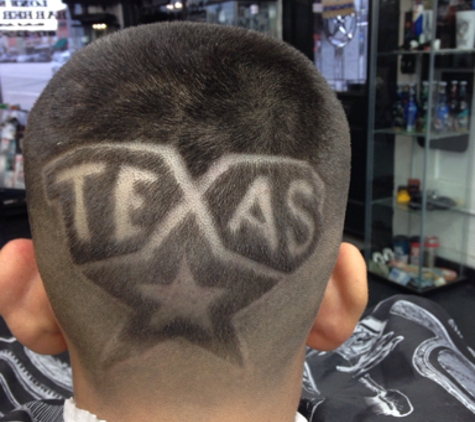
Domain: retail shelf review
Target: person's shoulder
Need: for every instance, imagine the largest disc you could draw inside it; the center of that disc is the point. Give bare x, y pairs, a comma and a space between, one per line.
37, 411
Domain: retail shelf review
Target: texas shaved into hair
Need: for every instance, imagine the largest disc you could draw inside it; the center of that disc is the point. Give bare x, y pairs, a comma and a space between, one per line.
186, 186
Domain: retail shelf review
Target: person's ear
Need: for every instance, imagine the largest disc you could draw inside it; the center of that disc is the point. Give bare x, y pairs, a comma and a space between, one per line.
345, 300
23, 301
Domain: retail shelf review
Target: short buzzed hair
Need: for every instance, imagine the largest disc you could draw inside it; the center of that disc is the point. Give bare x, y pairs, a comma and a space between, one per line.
186, 183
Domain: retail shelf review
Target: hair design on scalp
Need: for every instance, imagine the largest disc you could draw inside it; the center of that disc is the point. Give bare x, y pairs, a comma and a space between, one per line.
227, 250
190, 168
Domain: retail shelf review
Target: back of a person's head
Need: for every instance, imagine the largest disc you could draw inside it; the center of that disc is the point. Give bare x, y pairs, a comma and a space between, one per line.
186, 189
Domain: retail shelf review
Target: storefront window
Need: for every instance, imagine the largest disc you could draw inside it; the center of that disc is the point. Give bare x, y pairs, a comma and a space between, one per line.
261, 16
36, 38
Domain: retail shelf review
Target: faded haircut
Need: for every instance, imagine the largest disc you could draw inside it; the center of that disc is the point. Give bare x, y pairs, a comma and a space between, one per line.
186, 186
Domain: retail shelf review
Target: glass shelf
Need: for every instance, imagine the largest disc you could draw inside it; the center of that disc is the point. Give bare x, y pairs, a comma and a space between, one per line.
441, 52
433, 135
392, 203
417, 285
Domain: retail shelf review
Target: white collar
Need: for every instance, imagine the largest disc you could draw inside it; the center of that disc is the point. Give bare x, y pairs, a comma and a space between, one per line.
300, 418
72, 414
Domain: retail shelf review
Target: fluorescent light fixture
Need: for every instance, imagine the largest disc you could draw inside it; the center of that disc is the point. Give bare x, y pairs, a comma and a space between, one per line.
99, 26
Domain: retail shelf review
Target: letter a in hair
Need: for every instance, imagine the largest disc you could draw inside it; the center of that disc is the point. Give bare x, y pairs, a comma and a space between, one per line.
256, 210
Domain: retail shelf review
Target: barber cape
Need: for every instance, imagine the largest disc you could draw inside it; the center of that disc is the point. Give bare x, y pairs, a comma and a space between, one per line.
406, 359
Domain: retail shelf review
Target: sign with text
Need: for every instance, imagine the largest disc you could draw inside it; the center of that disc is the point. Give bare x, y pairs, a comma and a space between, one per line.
31, 15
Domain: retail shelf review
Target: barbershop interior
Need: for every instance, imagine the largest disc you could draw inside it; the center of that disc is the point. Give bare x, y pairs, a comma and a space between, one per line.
403, 71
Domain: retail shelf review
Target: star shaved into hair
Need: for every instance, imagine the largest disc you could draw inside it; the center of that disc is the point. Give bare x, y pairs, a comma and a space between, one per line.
184, 299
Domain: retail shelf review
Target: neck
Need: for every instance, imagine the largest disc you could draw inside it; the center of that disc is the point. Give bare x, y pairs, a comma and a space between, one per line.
237, 398
244, 411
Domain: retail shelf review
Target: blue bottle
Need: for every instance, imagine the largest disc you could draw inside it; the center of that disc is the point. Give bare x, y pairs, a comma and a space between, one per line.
421, 122
441, 120
411, 110
463, 108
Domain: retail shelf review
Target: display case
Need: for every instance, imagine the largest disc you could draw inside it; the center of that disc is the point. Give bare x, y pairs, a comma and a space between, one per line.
420, 212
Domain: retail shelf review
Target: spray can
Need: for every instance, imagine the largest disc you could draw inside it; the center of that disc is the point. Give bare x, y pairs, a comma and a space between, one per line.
401, 248
431, 245
415, 243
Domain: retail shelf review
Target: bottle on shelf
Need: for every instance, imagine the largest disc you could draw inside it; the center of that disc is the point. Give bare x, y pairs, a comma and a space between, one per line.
463, 108
431, 244
435, 95
441, 116
401, 248
453, 105
398, 119
415, 250
10, 165
421, 123
417, 20
411, 109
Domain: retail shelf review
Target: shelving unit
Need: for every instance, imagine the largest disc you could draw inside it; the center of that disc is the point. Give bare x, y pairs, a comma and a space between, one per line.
441, 161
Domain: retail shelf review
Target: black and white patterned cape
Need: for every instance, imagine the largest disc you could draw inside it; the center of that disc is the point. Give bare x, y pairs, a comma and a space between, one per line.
406, 359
